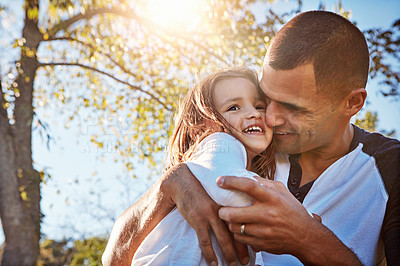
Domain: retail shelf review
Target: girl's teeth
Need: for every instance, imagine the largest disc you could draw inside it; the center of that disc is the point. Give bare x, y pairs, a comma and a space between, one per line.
253, 129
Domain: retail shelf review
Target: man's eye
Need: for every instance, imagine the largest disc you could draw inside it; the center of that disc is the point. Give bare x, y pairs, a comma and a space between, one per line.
293, 108
233, 108
260, 107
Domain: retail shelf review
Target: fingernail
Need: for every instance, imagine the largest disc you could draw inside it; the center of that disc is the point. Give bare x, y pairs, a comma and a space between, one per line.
213, 263
220, 181
246, 260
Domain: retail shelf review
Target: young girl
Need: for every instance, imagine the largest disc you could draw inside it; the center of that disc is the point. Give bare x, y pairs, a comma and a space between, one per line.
220, 130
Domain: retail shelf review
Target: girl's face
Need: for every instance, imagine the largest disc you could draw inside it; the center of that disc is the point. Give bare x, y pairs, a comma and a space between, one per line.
243, 107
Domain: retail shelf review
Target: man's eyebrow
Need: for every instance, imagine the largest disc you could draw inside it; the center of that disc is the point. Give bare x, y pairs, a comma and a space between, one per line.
294, 107
290, 106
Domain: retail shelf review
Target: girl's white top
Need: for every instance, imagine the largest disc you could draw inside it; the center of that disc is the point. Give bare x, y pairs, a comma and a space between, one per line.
173, 241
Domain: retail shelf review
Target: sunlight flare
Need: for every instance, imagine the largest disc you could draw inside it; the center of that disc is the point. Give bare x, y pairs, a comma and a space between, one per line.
175, 14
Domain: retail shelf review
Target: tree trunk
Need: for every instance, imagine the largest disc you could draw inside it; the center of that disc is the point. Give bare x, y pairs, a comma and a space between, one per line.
20, 183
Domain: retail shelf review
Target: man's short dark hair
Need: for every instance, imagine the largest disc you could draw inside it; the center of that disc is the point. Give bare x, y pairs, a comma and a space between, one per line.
336, 48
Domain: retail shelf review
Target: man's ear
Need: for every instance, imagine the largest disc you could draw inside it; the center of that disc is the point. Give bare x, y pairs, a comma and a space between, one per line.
355, 101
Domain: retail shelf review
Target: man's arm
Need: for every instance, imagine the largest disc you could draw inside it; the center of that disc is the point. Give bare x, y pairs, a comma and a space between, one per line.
279, 224
132, 227
177, 186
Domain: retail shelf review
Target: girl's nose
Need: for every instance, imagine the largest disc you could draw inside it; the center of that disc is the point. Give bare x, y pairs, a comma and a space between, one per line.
254, 113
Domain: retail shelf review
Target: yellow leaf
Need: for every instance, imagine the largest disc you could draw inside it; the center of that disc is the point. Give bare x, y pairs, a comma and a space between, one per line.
19, 173
30, 53
86, 102
33, 13
24, 196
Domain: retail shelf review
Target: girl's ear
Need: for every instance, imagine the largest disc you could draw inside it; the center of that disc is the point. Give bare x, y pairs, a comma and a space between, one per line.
355, 101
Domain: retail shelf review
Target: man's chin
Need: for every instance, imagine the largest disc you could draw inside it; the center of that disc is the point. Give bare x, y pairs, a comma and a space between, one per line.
288, 148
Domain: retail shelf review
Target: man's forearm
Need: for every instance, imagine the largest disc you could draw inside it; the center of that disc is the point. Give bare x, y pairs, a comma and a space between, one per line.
322, 247
132, 227
178, 186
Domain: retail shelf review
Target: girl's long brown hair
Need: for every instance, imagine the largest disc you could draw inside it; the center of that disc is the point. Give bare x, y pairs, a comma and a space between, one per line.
196, 111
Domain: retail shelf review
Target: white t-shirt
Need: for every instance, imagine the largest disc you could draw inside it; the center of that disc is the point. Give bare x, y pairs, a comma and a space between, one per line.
350, 197
173, 241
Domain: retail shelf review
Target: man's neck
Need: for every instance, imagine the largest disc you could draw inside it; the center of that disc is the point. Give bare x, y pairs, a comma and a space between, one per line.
315, 162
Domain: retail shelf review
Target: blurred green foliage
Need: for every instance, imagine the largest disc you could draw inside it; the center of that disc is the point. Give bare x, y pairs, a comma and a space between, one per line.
368, 122
63, 252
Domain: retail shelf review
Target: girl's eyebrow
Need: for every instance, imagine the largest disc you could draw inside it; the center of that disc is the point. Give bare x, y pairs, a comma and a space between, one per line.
231, 100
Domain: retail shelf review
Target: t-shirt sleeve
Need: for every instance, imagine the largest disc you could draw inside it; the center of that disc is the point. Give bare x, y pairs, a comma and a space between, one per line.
387, 158
391, 226
217, 155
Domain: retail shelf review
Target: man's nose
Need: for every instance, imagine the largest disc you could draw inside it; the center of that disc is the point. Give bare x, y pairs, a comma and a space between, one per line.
274, 116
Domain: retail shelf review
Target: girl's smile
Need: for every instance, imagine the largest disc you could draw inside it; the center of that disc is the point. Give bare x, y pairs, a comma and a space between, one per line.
243, 107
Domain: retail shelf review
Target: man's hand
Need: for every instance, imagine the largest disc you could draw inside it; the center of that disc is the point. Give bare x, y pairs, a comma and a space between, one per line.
279, 224
201, 212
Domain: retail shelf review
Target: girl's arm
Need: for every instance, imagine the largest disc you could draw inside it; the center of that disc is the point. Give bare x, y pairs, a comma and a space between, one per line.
220, 154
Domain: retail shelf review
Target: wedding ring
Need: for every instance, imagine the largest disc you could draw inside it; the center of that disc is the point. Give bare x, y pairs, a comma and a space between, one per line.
242, 232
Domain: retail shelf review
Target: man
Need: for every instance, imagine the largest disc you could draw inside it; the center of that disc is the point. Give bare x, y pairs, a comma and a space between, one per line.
314, 76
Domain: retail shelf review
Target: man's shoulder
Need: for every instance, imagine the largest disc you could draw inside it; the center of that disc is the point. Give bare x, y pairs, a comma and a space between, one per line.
375, 143
384, 150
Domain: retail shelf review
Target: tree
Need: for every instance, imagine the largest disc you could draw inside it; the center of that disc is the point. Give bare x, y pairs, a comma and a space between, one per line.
109, 57
384, 47
127, 61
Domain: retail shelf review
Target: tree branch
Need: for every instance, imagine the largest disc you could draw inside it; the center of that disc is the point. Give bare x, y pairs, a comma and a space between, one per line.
108, 75
63, 25
88, 14
91, 46
123, 68
183, 37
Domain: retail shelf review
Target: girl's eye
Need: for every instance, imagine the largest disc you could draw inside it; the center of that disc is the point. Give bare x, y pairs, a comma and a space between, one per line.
233, 108
260, 107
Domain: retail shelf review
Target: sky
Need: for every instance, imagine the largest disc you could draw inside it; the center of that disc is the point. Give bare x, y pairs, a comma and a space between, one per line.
87, 190
367, 14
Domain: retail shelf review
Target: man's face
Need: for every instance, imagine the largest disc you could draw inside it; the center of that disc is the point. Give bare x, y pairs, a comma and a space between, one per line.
302, 120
